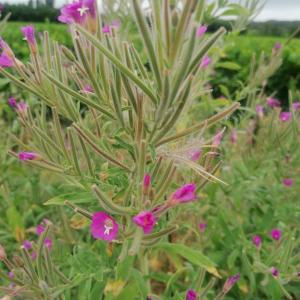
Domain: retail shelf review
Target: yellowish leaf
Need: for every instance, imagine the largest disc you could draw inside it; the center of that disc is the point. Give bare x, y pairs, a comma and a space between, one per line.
213, 271
114, 287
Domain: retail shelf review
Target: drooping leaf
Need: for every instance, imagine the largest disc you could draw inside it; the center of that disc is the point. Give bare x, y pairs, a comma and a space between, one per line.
194, 256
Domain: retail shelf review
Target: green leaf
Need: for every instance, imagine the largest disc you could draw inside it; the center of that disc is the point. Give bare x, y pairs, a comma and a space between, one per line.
229, 65
123, 267
85, 261
129, 293
119, 64
140, 282
15, 222
194, 256
76, 198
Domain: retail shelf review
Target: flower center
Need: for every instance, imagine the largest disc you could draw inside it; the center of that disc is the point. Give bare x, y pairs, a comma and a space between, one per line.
108, 226
82, 10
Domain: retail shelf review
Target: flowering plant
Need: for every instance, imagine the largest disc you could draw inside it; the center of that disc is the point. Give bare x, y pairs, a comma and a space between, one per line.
111, 128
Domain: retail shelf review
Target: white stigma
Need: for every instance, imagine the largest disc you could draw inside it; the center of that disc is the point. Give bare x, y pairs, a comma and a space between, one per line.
107, 229
82, 10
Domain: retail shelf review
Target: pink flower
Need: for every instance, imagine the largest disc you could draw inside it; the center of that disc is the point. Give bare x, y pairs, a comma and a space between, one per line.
73, 13
146, 220
12, 102
147, 181
106, 28
27, 244
260, 111
191, 295
201, 30
6, 49
288, 182
274, 272
206, 60
202, 227
276, 234
87, 89
256, 240
116, 24
272, 102
104, 227
230, 282
195, 155
28, 32
186, 193
5, 61
77, 12
33, 255
296, 105
277, 47
22, 107
39, 229
233, 136
28, 156
48, 243
217, 139
11, 275
285, 116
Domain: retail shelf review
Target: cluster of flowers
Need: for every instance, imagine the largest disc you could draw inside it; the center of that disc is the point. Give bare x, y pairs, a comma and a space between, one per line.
276, 235
229, 283
104, 227
29, 245
284, 116
273, 103
21, 107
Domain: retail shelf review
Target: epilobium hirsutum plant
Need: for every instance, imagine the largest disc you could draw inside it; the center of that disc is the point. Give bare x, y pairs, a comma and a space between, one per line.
112, 128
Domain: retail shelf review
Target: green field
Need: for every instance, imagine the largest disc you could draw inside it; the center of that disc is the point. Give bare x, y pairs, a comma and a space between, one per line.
243, 45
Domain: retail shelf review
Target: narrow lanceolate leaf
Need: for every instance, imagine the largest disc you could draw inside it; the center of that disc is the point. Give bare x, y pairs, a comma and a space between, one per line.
157, 16
125, 80
58, 132
170, 122
167, 25
145, 34
139, 64
119, 64
187, 56
166, 231
78, 96
109, 204
207, 123
75, 159
24, 86
199, 11
89, 71
186, 14
40, 257
97, 149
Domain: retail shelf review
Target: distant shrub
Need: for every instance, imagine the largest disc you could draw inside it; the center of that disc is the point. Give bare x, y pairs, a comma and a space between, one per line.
22, 12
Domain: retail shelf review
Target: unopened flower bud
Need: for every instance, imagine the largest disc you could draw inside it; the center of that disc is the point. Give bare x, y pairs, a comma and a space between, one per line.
18, 261
230, 282
2, 253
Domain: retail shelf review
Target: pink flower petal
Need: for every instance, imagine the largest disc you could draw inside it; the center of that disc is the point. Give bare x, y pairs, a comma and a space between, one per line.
104, 227
146, 220
186, 193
